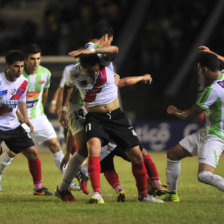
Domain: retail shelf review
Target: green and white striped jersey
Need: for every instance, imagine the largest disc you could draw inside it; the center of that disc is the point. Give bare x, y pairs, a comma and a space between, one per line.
212, 101
36, 85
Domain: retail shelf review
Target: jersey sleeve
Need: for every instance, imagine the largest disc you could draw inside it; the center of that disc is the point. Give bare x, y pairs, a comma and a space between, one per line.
22, 99
208, 97
69, 79
63, 78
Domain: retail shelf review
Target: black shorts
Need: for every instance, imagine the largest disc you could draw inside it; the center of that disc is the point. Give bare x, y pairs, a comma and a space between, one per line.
112, 125
16, 139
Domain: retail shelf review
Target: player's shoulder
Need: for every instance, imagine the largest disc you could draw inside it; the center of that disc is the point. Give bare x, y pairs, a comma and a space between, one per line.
42, 69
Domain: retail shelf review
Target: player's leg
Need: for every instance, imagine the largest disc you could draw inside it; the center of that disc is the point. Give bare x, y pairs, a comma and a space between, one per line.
139, 172
6, 160
107, 167
73, 168
187, 147
208, 160
94, 169
35, 170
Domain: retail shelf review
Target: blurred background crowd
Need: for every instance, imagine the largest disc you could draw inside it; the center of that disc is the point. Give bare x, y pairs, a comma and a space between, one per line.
157, 37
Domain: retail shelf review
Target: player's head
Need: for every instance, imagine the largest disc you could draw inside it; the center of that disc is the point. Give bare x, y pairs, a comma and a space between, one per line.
33, 57
103, 31
208, 65
15, 64
90, 64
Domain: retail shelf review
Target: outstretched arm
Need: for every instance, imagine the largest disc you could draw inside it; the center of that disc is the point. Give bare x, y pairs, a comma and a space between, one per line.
207, 50
67, 91
191, 113
128, 81
99, 50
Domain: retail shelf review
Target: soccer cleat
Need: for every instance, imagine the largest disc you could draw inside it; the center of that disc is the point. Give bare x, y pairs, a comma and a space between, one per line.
150, 198
64, 195
121, 196
171, 197
158, 191
96, 198
82, 178
42, 192
74, 187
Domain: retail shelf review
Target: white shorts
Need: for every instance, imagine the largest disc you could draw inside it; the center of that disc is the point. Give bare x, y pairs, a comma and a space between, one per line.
76, 116
192, 143
208, 147
211, 151
43, 129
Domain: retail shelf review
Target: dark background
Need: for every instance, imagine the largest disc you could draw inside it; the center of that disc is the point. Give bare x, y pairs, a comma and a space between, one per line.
162, 37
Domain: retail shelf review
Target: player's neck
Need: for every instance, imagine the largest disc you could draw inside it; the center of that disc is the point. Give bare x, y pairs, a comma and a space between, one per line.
30, 71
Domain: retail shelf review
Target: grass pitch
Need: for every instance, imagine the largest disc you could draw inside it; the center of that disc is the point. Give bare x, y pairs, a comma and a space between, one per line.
199, 203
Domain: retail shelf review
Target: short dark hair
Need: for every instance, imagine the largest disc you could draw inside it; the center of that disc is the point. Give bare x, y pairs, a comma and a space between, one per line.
102, 28
32, 49
89, 60
14, 55
208, 60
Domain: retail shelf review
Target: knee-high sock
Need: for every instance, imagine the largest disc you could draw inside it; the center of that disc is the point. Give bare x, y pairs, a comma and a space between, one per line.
211, 179
113, 180
139, 172
58, 156
35, 170
5, 162
152, 171
94, 172
71, 171
172, 174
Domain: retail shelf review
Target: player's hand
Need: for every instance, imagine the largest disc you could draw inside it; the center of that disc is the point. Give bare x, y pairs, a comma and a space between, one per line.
116, 78
147, 79
204, 49
29, 124
171, 109
64, 161
62, 119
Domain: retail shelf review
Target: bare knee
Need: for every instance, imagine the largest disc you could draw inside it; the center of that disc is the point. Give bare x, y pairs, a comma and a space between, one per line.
53, 145
31, 153
94, 147
135, 155
177, 153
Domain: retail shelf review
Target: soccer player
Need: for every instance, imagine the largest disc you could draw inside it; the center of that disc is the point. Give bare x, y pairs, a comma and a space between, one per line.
99, 93
207, 143
13, 89
37, 91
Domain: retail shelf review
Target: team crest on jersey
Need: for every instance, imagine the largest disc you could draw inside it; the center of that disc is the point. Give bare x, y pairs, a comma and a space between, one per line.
13, 92
3, 92
221, 83
83, 83
20, 91
41, 82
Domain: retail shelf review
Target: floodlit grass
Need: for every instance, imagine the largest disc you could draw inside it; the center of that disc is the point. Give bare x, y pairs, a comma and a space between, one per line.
199, 203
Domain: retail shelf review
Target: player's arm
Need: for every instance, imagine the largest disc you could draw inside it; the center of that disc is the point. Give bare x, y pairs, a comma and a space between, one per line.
24, 114
128, 81
67, 91
191, 113
54, 101
207, 50
44, 97
109, 50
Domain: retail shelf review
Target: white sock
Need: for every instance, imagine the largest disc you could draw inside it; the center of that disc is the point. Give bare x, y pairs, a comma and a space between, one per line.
71, 171
172, 174
84, 169
58, 156
211, 179
5, 162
